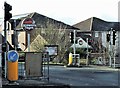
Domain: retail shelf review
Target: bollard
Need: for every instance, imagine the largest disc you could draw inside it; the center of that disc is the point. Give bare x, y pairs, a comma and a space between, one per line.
12, 64
70, 59
12, 71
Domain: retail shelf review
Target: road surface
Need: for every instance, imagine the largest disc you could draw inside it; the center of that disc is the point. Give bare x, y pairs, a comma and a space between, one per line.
83, 77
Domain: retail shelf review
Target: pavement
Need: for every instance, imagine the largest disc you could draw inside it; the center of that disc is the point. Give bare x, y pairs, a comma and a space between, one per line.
32, 83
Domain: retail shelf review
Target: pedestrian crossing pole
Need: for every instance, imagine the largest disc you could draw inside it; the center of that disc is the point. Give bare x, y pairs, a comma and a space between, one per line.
114, 55
74, 48
110, 48
87, 53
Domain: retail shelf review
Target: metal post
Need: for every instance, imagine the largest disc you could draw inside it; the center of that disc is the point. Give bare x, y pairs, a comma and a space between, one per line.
110, 56
74, 42
5, 44
14, 21
28, 36
48, 65
110, 48
87, 53
74, 48
114, 55
78, 59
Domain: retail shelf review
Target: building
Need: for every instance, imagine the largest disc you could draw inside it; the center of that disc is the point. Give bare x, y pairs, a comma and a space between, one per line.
42, 22
94, 29
98, 29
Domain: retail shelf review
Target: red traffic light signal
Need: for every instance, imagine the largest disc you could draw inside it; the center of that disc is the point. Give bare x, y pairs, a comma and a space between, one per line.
7, 14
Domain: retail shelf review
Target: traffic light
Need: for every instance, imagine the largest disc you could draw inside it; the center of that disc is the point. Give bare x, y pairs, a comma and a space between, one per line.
13, 24
72, 37
14, 40
7, 14
4, 47
108, 37
114, 37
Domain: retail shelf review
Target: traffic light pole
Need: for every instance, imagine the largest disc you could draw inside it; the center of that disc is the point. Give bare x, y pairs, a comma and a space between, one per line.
114, 38
87, 53
7, 16
5, 44
114, 55
15, 33
110, 49
74, 49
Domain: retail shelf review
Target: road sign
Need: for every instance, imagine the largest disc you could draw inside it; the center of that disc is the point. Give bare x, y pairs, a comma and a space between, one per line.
28, 24
12, 56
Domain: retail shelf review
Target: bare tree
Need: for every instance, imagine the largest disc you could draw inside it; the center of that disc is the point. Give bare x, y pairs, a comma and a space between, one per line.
52, 36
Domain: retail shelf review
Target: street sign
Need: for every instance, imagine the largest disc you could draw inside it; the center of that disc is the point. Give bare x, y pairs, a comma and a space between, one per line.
28, 24
12, 56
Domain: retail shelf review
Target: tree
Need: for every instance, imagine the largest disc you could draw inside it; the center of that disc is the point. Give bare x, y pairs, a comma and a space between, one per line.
52, 36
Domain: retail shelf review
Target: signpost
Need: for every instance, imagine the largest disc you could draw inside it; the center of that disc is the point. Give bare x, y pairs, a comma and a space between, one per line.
28, 24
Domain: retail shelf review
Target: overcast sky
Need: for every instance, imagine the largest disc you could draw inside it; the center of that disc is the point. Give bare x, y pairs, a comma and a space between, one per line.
67, 11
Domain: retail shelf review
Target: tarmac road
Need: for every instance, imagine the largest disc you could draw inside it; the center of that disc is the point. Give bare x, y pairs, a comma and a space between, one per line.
84, 76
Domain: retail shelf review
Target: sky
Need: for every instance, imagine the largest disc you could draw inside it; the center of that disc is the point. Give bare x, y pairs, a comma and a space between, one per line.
67, 11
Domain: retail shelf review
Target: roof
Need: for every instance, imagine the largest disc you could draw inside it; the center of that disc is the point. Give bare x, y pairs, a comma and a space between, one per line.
96, 24
101, 25
84, 25
42, 21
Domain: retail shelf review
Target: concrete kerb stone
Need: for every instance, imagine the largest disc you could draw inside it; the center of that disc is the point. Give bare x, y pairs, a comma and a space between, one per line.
104, 68
33, 84
93, 67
